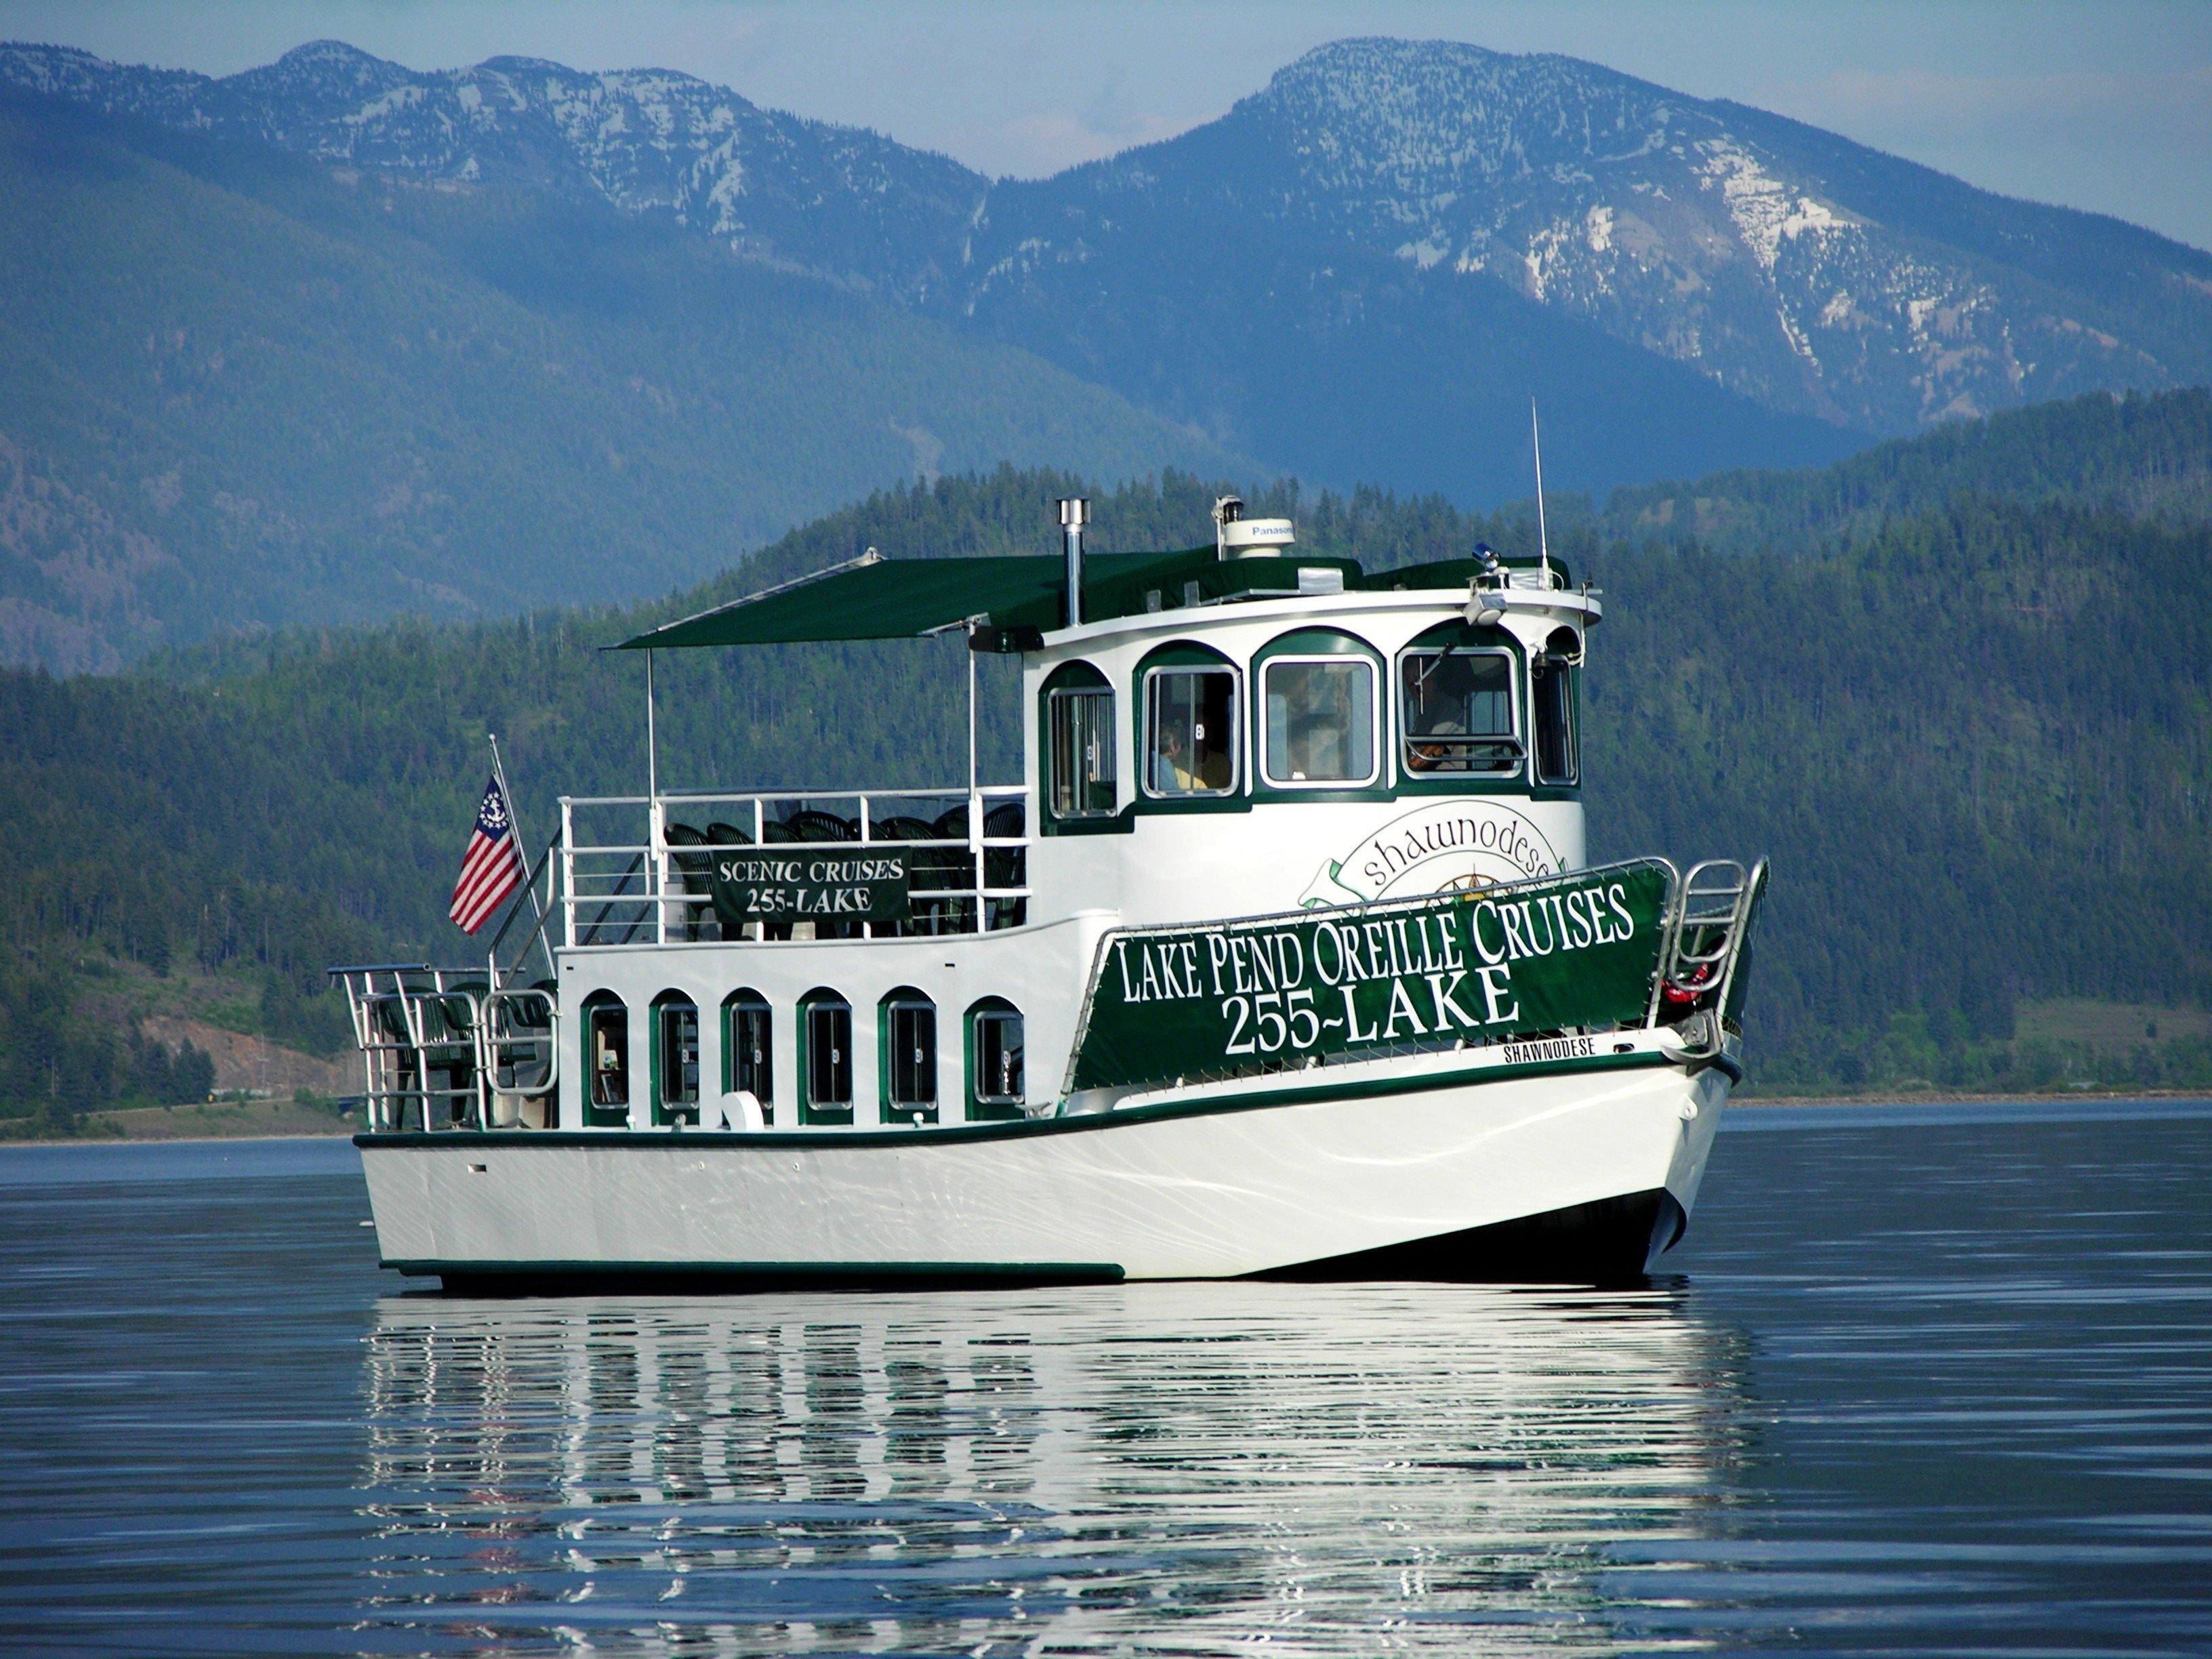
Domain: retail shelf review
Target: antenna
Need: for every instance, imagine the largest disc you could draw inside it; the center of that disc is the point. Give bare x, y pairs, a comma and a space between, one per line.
1543, 538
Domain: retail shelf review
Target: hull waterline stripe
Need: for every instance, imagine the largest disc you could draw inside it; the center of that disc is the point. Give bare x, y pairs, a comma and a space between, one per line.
770, 1274
967, 1134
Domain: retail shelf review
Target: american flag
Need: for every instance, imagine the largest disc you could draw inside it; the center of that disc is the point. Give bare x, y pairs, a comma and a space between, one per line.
492, 866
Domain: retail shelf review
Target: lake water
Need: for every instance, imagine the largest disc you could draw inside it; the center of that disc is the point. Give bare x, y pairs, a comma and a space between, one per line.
1928, 1381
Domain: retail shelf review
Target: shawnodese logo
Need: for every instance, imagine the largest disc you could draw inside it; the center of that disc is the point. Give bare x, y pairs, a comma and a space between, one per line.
1449, 844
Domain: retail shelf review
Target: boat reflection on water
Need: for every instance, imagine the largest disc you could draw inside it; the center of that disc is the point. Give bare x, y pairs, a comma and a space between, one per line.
1190, 1468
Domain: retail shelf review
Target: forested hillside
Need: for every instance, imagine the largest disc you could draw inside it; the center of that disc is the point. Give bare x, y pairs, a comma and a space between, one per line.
2149, 458
1973, 729
238, 389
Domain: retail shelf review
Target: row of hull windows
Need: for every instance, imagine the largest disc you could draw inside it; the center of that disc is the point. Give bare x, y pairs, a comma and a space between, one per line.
1459, 715
907, 1029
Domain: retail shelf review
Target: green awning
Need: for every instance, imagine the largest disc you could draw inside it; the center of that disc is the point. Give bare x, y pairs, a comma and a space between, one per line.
881, 599
871, 599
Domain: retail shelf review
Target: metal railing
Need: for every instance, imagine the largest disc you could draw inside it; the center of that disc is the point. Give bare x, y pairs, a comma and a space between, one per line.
635, 868
1703, 950
441, 1050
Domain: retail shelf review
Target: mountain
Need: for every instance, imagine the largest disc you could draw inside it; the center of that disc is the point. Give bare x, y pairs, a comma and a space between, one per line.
1427, 206
240, 389
1359, 272
334, 339
1982, 776
836, 199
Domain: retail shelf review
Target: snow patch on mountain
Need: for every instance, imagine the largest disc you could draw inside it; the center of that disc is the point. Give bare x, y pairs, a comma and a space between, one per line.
1766, 211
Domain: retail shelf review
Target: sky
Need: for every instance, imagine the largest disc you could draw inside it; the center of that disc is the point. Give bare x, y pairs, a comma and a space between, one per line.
2105, 106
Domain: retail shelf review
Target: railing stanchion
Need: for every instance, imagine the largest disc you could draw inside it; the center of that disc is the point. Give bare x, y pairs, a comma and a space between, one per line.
568, 874
656, 839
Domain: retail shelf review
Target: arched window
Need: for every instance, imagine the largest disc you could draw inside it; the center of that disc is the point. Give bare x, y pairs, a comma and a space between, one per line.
1320, 702
675, 1041
996, 1088
907, 1021
1459, 716
1080, 778
749, 1050
1190, 745
606, 1061
1551, 708
825, 1058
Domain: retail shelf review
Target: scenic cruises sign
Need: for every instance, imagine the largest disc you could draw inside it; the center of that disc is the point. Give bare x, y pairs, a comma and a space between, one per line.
1273, 993
812, 883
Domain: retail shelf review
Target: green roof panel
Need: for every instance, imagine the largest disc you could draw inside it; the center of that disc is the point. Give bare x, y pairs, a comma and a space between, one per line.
881, 599
875, 598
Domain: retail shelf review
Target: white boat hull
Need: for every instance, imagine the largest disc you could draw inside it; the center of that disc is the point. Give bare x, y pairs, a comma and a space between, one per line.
1445, 1165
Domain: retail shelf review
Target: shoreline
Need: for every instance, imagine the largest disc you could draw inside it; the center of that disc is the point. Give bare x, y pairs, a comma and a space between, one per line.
1878, 1098
1963, 1097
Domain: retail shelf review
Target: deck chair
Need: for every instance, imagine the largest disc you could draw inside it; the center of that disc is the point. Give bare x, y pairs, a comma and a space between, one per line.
1005, 867
942, 866
693, 872
901, 828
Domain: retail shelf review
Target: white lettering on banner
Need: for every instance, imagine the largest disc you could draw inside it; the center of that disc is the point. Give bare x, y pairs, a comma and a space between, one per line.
825, 872
1258, 977
777, 886
1577, 952
1427, 945
1457, 843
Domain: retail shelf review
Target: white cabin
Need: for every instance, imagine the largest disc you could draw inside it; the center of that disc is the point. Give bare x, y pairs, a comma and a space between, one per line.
1226, 732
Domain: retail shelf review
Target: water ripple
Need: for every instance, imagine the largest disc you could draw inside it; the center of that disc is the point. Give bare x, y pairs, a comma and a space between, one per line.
1925, 1388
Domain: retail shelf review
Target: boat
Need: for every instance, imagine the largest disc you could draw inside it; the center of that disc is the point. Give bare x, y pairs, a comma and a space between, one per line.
1282, 957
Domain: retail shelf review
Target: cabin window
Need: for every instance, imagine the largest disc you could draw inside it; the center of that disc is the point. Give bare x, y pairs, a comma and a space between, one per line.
1320, 720
1552, 690
1190, 746
1082, 744
1456, 712
995, 1085
910, 1068
748, 1052
606, 1055
828, 1054
676, 1060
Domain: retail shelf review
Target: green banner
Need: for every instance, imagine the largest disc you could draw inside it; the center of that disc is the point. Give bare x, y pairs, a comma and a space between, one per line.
823, 882
1271, 991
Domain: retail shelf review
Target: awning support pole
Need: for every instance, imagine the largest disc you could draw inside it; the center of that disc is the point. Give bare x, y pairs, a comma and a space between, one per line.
652, 750
974, 787
653, 810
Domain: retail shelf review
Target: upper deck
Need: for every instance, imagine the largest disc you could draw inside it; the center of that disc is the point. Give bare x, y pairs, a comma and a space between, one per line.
1203, 724
1236, 731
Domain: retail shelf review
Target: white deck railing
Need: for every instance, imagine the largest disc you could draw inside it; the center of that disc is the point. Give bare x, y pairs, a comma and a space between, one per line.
625, 881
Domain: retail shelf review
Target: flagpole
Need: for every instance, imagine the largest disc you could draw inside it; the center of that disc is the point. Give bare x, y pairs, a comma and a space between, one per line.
515, 829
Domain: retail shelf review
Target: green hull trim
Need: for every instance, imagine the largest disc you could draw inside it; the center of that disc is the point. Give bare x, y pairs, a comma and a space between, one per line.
1302, 1094
497, 1276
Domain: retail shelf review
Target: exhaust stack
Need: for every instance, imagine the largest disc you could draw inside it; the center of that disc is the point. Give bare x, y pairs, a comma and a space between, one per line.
1074, 513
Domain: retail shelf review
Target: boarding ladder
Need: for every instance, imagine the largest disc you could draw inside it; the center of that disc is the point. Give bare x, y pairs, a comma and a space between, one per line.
1703, 953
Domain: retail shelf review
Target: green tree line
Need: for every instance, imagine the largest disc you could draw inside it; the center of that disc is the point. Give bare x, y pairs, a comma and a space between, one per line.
1973, 733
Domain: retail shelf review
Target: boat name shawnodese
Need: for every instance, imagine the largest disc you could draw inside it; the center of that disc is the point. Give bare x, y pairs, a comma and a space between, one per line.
1406, 847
